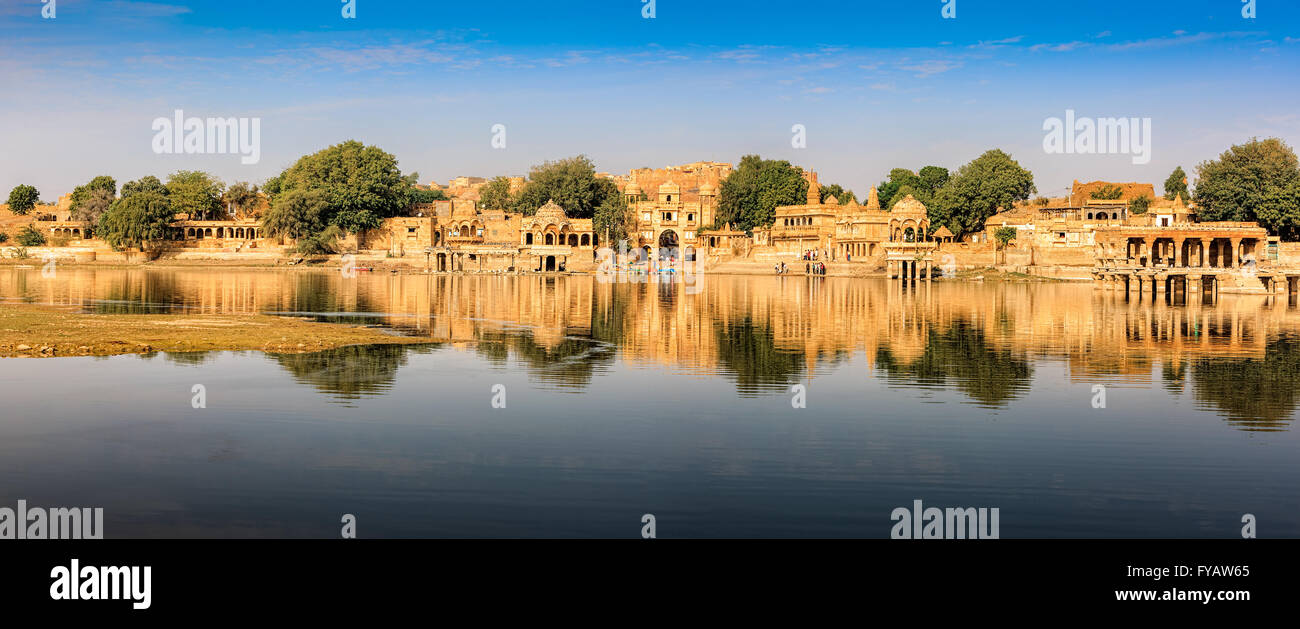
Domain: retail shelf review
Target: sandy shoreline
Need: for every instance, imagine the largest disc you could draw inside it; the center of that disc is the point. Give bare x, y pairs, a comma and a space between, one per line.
43, 331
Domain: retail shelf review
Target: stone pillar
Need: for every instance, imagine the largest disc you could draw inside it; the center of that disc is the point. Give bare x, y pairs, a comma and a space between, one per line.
1149, 244
1178, 252
1203, 253
928, 270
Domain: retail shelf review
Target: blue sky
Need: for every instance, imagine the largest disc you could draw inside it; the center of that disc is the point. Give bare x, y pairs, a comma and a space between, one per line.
876, 84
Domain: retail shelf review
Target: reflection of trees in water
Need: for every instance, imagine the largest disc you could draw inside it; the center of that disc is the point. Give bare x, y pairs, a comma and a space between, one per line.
749, 354
352, 372
1251, 394
569, 361
189, 359
141, 293
962, 356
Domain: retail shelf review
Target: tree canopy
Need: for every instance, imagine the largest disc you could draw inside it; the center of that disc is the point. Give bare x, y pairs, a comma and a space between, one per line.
1176, 185
359, 186
90, 209
148, 183
495, 194
139, 219
196, 193
82, 193
240, 197
571, 182
22, 199
1107, 192
751, 193
978, 189
841, 194
615, 218
1255, 181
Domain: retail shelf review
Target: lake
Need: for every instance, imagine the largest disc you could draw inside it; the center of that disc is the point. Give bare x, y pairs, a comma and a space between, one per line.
746, 407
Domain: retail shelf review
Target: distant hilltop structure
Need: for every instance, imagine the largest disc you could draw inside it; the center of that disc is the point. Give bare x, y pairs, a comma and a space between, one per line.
689, 178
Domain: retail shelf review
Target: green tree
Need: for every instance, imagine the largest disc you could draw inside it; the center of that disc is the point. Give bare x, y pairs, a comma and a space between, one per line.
299, 213
81, 194
1255, 181
240, 197
93, 207
1176, 185
22, 199
614, 219
4, 237
148, 183
29, 236
898, 178
495, 194
1004, 236
932, 178
751, 193
571, 182
361, 185
1107, 192
977, 190
141, 219
195, 193
425, 195
1139, 206
840, 193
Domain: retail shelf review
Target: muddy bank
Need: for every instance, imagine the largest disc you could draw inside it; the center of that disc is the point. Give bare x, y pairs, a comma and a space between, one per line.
32, 330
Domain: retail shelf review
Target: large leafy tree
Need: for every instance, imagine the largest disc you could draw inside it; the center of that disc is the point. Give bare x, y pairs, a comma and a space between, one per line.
360, 185
571, 182
932, 178
841, 194
140, 219
751, 193
902, 182
95, 206
899, 178
240, 197
148, 183
22, 199
196, 193
978, 189
83, 193
614, 219
495, 194
1176, 185
298, 213
425, 195
1255, 181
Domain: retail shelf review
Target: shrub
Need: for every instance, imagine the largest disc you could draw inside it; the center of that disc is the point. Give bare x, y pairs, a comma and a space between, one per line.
31, 237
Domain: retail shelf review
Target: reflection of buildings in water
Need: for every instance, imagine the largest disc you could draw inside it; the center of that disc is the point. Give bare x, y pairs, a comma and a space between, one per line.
763, 332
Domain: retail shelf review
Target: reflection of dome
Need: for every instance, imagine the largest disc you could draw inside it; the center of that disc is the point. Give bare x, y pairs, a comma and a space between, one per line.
909, 204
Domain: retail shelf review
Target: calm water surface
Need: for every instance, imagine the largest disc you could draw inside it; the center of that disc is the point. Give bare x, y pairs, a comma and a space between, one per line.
625, 399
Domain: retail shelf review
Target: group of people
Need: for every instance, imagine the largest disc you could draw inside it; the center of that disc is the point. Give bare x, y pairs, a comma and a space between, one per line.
815, 268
